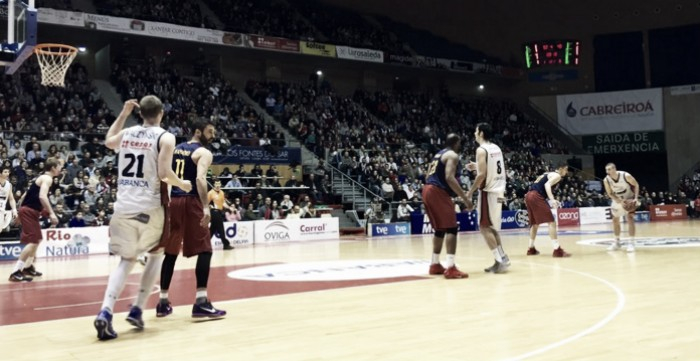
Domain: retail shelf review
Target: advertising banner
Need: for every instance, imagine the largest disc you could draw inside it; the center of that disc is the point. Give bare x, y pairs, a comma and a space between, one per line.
389, 229
466, 221
259, 155
514, 219
618, 143
685, 89
547, 76
639, 217
568, 217
319, 49
10, 251
402, 59
346, 52
60, 242
594, 215
296, 230
272, 43
611, 112
142, 27
668, 212
237, 233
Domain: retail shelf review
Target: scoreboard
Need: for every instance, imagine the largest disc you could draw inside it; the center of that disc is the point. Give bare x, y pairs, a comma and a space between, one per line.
552, 53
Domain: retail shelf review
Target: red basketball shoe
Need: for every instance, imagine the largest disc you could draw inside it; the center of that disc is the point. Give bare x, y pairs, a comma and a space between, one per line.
453, 272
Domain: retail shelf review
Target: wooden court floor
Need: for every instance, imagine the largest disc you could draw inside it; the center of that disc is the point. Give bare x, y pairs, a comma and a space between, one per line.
359, 299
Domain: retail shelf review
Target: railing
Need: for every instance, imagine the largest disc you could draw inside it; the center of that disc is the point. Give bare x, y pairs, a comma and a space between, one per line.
347, 180
574, 142
689, 173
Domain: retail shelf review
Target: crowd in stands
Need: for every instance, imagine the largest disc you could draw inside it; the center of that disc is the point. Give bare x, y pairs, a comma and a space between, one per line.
385, 140
187, 97
181, 12
72, 113
272, 18
344, 27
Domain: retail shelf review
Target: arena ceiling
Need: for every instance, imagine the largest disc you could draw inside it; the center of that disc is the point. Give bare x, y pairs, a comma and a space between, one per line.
500, 27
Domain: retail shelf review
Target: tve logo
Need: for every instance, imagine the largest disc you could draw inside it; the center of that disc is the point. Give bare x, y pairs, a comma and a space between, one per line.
390, 229
10, 251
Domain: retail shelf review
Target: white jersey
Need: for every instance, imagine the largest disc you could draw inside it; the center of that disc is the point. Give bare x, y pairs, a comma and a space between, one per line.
620, 187
138, 185
5, 192
495, 170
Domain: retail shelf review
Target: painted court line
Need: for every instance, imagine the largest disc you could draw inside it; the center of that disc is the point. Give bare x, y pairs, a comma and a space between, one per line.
598, 325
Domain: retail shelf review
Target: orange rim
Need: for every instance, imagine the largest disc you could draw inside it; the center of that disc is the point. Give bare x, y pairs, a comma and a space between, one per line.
67, 49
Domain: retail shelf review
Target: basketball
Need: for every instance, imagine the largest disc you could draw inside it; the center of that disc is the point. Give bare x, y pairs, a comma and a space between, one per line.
630, 205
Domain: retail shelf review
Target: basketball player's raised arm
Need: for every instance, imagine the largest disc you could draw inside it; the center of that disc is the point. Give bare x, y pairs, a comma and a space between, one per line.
115, 132
552, 180
451, 160
203, 163
635, 186
165, 163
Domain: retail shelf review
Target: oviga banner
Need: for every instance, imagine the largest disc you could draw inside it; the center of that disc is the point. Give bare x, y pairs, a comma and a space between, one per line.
611, 112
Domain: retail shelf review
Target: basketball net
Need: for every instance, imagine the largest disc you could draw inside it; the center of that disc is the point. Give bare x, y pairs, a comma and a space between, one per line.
54, 60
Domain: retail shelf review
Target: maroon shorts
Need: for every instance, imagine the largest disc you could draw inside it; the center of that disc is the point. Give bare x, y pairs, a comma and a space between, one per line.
31, 229
185, 230
538, 211
440, 208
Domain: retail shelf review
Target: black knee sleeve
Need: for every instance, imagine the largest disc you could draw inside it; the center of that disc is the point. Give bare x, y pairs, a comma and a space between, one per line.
452, 230
440, 234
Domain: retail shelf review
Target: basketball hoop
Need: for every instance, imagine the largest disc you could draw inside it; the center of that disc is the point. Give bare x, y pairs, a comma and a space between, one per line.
54, 60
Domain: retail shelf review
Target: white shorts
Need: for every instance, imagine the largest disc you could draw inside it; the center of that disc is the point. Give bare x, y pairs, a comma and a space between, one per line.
130, 237
617, 209
489, 207
5, 219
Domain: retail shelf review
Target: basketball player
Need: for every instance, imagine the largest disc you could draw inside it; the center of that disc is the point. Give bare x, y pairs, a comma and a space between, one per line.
5, 195
538, 208
441, 186
190, 216
33, 203
138, 223
491, 182
623, 189
218, 202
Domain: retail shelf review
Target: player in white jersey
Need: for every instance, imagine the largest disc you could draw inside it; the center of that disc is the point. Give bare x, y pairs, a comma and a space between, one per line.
491, 181
623, 189
139, 220
6, 196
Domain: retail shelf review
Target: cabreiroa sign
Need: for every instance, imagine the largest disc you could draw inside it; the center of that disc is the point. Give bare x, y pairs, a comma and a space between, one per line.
611, 112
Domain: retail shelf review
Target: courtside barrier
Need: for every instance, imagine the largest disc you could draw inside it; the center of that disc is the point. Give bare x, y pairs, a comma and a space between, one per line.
389, 229
296, 230
237, 233
668, 212
466, 221
61, 242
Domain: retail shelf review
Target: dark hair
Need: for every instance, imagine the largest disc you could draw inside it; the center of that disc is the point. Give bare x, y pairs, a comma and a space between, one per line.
2, 169
486, 129
150, 106
561, 164
201, 124
452, 140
